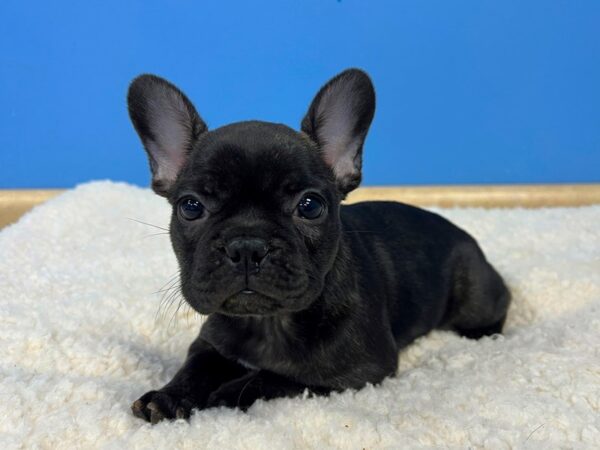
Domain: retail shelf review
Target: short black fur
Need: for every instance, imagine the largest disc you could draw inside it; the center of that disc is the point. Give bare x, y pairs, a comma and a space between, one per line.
294, 303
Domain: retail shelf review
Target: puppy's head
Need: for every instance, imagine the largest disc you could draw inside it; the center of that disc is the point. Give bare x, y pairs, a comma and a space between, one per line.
255, 223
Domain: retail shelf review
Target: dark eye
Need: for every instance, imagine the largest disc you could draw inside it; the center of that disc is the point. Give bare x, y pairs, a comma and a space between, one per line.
190, 208
310, 207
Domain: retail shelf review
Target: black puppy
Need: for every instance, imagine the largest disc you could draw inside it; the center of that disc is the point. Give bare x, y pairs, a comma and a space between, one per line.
301, 293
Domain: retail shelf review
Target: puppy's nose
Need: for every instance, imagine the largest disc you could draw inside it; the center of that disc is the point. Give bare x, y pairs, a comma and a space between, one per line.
246, 251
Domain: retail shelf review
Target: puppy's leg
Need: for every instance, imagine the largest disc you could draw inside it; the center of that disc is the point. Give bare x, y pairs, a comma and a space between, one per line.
203, 371
479, 299
258, 384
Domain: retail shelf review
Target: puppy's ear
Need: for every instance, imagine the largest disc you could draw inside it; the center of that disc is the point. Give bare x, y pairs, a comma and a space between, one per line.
168, 125
338, 120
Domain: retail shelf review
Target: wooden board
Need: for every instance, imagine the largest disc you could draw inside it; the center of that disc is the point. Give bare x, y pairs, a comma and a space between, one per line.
487, 196
14, 203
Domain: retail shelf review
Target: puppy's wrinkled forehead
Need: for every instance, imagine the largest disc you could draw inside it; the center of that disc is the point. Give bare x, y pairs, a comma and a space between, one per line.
254, 159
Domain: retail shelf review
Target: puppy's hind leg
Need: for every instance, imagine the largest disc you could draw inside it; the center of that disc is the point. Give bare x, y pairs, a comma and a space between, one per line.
476, 333
479, 298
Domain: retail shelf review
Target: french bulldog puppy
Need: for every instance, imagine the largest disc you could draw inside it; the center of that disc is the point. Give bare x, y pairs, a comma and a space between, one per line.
300, 291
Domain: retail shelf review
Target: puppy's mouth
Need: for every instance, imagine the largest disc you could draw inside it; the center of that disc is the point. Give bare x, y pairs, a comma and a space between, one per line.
250, 302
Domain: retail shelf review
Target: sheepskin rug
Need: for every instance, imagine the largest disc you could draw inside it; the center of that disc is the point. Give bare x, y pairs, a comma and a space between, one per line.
83, 334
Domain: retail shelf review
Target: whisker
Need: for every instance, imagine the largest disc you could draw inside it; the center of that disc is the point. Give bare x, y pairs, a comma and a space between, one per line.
168, 296
166, 303
167, 289
149, 224
154, 234
173, 278
167, 299
170, 291
174, 316
168, 285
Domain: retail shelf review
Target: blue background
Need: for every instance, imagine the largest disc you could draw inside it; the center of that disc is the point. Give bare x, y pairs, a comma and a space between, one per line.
477, 91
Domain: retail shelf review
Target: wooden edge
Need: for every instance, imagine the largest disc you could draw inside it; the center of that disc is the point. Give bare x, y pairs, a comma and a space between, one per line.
14, 203
486, 196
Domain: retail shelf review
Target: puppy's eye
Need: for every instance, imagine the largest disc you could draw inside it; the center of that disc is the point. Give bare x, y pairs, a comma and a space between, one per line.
190, 208
310, 207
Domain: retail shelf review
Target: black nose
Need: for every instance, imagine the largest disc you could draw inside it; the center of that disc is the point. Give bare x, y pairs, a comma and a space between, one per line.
246, 251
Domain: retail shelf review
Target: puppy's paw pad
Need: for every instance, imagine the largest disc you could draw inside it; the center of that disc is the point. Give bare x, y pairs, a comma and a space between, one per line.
139, 410
156, 414
155, 406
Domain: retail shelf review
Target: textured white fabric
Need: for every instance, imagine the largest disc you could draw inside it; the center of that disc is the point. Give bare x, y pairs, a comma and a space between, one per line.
80, 340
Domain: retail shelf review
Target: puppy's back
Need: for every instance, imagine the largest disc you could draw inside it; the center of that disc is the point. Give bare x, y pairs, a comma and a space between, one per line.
431, 273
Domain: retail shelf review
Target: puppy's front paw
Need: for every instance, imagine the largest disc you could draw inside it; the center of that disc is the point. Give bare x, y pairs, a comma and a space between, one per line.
155, 406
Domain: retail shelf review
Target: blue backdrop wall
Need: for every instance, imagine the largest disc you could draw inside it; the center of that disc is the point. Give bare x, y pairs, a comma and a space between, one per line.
468, 91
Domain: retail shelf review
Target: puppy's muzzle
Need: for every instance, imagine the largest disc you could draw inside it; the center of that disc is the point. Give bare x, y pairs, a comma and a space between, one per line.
246, 254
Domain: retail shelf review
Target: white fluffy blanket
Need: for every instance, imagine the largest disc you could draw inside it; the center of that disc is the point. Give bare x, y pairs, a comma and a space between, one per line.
82, 336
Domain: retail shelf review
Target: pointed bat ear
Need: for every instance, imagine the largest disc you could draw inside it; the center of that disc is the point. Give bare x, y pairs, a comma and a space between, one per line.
167, 124
338, 121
